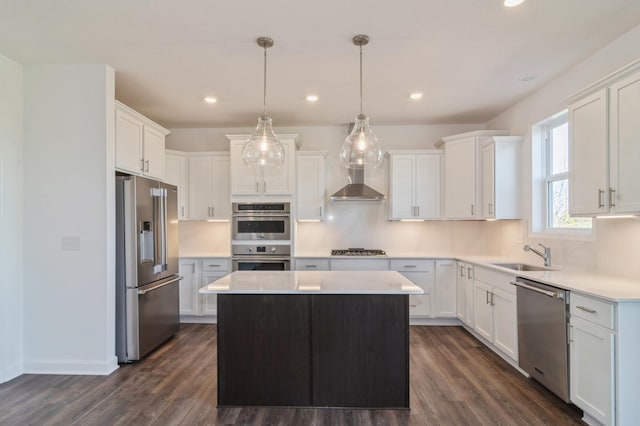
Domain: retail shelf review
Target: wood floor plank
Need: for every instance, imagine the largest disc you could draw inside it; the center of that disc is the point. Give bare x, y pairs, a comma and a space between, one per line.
455, 380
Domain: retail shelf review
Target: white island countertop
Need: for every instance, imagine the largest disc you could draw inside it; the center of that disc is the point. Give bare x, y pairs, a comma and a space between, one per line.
317, 282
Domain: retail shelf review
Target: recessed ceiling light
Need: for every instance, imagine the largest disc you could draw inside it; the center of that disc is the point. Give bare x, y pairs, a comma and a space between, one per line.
415, 96
210, 100
513, 3
312, 98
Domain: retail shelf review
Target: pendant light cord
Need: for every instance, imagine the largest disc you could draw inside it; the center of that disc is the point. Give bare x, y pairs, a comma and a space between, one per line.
264, 98
360, 79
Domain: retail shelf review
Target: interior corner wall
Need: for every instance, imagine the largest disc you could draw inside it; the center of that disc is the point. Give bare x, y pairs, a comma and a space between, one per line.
617, 241
68, 223
11, 259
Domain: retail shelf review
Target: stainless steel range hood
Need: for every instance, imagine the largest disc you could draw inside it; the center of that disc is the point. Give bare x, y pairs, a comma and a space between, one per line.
356, 190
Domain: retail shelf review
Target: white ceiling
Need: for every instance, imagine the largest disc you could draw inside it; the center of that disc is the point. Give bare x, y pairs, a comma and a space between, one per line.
467, 56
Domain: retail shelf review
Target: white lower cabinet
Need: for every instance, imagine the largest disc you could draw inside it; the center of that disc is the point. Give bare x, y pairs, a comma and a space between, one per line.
445, 289
196, 274
495, 310
592, 357
422, 273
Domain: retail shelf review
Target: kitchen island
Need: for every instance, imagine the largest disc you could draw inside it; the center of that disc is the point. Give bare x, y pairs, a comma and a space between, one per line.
313, 339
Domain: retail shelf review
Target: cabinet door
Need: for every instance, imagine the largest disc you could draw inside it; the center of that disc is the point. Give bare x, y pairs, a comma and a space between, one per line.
359, 265
244, 180
461, 302
128, 143
153, 153
591, 353
624, 147
219, 188
460, 179
588, 150
310, 191
445, 289
505, 322
188, 288
427, 186
402, 169
199, 188
279, 180
175, 173
483, 311
420, 304
488, 181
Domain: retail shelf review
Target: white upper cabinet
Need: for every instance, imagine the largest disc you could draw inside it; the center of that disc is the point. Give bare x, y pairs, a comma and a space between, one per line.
415, 178
208, 185
139, 143
310, 192
265, 181
604, 153
463, 174
175, 173
501, 177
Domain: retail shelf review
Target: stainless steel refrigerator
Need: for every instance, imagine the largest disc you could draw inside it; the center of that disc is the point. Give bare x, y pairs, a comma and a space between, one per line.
147, 296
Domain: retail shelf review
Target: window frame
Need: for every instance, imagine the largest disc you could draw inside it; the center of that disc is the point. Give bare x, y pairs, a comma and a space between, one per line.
541, 185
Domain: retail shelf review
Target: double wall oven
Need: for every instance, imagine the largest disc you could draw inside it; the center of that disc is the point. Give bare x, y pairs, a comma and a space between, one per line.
261, 237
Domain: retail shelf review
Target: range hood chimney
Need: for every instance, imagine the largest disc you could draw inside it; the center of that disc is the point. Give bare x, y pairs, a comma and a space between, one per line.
356, 190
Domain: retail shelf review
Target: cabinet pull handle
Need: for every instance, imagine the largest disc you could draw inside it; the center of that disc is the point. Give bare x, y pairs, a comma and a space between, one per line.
462, 271
413, 306
584, 308
417, 210
320, 211
473, 210
257, 186
409, 266
612, 197
490, 209
469, 272
600, 194
310, 266
147, 163
182, 210
214, 266
486, 297
492, 302
213, 212
264, 186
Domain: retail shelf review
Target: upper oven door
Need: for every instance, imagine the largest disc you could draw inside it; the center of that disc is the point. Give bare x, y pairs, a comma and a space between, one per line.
258, 228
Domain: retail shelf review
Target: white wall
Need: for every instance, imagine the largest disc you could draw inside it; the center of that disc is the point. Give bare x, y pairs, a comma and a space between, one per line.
69, 194
617, 242
352, 224
11, 260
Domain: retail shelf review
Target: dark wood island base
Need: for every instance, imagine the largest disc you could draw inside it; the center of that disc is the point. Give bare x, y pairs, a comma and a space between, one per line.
315, 350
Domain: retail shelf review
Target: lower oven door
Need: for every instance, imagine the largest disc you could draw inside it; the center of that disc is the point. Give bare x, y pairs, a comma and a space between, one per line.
260, 264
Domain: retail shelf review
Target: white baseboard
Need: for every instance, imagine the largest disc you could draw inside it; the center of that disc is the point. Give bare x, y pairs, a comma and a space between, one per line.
73, 367
434, 321
11, 372
198, 319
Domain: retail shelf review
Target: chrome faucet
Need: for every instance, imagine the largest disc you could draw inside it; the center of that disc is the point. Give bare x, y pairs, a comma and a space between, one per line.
546, 255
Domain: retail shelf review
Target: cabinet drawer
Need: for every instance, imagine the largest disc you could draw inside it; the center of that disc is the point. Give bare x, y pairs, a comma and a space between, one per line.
215, 264
409, 265
359, 265
495, 279
312, 264
594, 310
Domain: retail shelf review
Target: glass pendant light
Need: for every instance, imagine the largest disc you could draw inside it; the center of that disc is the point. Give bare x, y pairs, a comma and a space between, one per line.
263, 148
361, 146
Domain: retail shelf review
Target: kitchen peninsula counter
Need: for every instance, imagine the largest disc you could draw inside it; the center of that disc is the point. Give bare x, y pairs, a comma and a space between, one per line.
313, 338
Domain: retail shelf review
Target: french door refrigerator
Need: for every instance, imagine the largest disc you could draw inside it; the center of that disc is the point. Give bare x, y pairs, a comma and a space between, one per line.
147, 296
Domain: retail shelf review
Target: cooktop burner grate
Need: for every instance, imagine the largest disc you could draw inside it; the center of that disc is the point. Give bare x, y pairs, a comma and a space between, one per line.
357, 252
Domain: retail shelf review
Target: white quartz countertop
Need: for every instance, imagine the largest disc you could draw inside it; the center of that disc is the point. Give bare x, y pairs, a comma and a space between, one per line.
316, 282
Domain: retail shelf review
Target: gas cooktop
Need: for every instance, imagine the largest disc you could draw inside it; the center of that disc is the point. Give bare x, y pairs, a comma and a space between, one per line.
357, 252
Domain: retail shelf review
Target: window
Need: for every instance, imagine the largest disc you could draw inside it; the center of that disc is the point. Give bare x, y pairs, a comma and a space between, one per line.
551, 187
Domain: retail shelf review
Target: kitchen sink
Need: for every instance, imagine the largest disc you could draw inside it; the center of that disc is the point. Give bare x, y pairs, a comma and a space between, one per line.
522, 267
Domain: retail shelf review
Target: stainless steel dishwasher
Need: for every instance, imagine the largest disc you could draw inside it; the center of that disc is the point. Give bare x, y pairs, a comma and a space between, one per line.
543, 346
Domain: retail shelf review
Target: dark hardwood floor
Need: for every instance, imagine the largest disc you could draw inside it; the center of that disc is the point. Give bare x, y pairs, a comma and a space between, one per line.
455, 380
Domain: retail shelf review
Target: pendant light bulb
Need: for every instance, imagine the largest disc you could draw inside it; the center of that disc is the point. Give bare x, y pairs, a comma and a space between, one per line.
263, 148
361, 148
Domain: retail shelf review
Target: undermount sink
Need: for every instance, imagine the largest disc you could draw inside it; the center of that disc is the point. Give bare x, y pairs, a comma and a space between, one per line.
522, 267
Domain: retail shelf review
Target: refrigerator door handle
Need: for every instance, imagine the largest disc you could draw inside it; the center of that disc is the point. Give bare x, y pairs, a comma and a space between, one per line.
159, 243
165, 257
157, 286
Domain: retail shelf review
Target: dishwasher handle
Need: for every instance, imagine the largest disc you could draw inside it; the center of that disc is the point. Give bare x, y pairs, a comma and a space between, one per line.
553, 294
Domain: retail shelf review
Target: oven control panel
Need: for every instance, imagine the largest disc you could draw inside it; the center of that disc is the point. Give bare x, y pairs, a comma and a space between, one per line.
261, 250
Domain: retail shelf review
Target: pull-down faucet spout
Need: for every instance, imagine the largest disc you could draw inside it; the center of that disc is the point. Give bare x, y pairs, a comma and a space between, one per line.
546, 256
